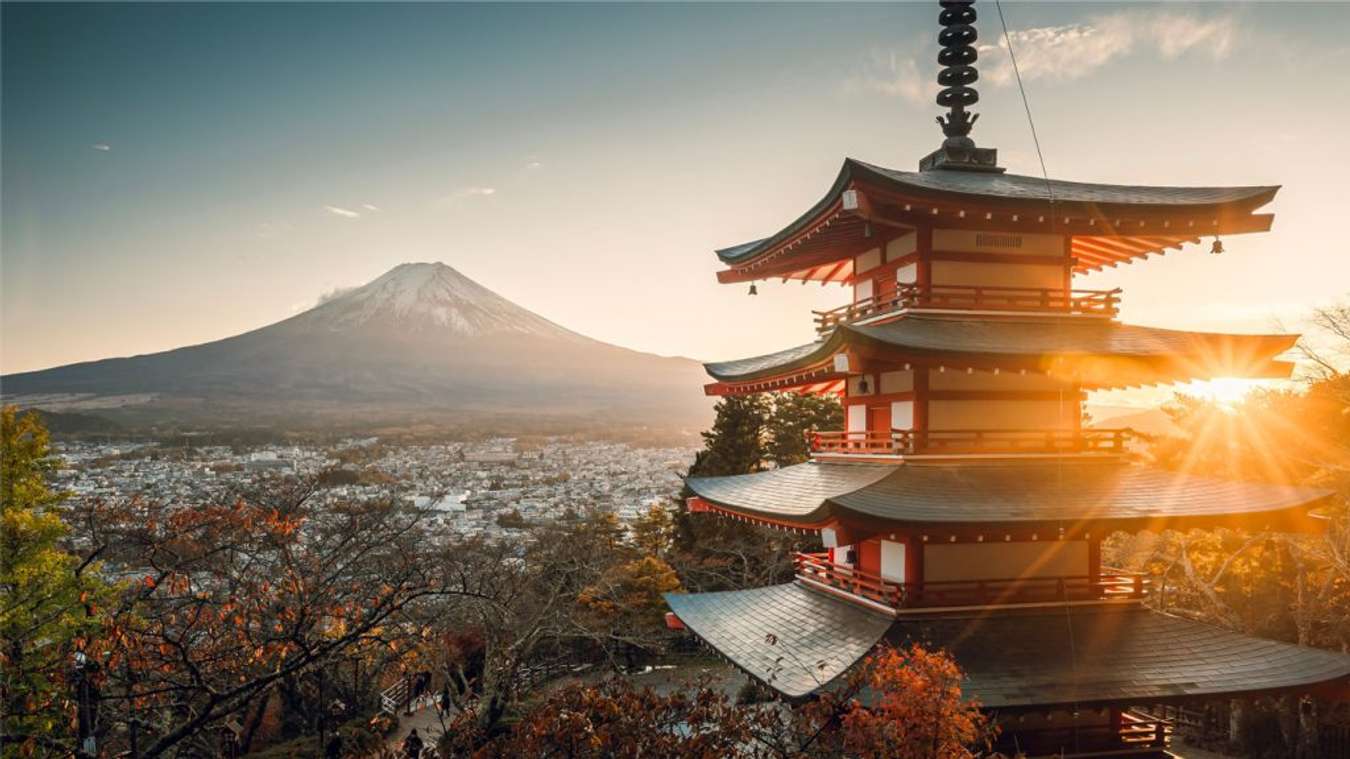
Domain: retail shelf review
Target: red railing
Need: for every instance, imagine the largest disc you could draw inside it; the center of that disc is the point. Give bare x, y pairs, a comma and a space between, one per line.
1111, 584
974, 298
911, 442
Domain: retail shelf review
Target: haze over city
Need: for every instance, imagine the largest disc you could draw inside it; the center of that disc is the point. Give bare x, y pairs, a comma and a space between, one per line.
584, 161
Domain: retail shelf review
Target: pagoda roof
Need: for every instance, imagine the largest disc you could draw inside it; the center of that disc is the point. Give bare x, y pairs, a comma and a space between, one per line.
794, 639
1098, 352
1118, 222
1074, 495
1012, 658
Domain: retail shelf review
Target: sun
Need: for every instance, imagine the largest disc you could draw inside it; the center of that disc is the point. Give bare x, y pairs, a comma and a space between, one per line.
1226, 392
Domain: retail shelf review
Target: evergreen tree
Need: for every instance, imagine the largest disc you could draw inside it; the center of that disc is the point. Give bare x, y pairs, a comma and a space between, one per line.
793, 416
735, 444
47, 612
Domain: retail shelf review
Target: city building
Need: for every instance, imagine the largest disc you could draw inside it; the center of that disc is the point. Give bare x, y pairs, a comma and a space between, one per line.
964, 504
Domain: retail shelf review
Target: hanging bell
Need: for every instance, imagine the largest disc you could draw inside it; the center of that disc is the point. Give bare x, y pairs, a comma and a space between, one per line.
863, 388
1216, 248
753, 290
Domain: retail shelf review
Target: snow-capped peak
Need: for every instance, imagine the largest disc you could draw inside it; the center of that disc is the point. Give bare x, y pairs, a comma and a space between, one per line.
421, 296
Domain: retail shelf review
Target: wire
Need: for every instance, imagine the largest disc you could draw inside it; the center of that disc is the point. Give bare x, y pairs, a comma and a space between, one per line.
1026, 105
1050, 193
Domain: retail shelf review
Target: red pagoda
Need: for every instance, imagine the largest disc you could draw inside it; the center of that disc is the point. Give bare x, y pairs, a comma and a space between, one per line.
964, 504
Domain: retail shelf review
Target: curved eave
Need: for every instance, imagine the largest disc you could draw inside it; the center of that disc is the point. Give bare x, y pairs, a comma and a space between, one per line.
1095, 355
1074, 497
1099, 657
799, 641
790, 638
1110, 224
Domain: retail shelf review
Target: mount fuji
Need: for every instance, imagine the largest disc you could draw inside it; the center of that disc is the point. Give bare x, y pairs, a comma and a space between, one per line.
418, 342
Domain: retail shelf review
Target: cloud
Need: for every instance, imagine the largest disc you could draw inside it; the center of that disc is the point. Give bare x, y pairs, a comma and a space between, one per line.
887, 72
534, 165
370, 207
1072, 51
334, 294
103, 146
346, 213
469, 192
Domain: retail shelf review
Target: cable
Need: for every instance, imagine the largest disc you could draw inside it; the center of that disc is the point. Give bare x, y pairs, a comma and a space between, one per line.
1050, 193
1026, 105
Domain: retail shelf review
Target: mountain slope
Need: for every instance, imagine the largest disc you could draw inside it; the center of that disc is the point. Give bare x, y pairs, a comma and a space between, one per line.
420, 337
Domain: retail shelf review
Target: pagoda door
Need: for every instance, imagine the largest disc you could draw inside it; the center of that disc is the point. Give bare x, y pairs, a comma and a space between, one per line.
892, 561
879, 418
885, 288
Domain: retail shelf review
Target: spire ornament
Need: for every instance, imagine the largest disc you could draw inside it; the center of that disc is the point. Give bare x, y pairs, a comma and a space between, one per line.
957, 58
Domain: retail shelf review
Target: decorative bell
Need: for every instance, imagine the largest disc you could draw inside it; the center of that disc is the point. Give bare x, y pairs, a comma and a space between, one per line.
753, 290
1216, 248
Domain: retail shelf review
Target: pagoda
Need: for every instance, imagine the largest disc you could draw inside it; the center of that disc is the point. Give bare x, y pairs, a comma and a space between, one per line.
964, 504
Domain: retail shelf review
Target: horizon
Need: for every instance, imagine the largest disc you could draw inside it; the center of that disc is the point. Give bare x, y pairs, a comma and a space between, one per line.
158, 195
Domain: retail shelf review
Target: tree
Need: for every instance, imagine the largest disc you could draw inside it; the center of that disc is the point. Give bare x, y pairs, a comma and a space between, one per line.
792, 418
1292, 587
49, 610
735, 444
748, 433
904, 704
917, 710
232, 606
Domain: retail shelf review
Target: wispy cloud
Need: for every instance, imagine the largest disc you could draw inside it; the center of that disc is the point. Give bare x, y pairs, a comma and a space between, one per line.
469, 192
103, 146
370, 207
1071, 51
888, 72
334, 294
344, 212
533, 165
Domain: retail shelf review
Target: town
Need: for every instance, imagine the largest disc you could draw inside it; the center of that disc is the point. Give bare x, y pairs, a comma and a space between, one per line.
487, 488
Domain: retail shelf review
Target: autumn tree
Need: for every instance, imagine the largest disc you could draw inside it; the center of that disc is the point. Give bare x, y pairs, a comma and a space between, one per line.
897, 703
230, 606
51, 598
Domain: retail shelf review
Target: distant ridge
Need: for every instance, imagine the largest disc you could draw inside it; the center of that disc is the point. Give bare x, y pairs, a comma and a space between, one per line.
420, 338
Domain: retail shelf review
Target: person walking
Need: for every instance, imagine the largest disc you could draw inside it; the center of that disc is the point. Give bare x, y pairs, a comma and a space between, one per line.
412, 745
443, 701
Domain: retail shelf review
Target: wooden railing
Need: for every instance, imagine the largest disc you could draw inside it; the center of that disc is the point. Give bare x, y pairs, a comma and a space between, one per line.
1134, 733
974, 298
912, 442
1111, 584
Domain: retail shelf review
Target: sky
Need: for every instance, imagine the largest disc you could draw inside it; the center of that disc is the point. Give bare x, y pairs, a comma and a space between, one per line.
173, 174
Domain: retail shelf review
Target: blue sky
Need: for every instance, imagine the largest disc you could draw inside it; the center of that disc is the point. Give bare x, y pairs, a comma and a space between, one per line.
174, 174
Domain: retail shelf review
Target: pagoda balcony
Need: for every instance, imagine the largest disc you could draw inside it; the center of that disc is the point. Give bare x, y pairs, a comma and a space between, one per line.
1104, 303
898, 443
1113, 584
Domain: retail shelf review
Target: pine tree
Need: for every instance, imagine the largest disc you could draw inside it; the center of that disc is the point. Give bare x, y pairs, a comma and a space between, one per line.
735, 444
793, 416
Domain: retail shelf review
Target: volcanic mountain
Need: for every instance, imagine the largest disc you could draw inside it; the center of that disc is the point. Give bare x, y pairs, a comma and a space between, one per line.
422, 338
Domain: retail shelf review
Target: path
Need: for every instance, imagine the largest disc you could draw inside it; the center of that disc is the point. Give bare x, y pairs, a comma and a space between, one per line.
425, 720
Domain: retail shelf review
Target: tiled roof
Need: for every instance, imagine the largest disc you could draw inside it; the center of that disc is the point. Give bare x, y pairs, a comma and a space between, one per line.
1016, 186
794, 639
1094, 655
798, 491
1011, 658
995, 188
1169, 352
1115, 495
